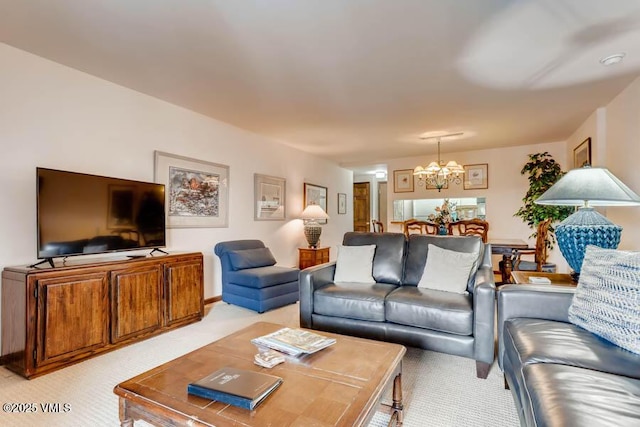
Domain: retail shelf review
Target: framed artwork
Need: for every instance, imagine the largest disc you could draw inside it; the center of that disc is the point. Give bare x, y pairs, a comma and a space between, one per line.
316, 195
476, 177
342, 203
121, 207
196, 192
582, 154
403, 181
268, 198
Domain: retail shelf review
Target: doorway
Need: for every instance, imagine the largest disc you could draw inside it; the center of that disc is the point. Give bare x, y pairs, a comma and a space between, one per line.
361, 206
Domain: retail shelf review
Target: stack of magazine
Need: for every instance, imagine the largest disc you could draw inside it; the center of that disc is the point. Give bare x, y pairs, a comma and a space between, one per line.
294, 341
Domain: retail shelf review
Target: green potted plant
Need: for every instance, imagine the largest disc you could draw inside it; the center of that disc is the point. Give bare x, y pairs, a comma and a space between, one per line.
543, 172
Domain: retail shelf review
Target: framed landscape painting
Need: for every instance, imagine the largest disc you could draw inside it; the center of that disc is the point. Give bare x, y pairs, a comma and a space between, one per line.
315, 194
582, 154
269, 198
403, 181
196, 191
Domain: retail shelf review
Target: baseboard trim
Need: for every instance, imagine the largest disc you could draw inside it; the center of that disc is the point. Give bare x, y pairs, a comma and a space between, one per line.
211, 300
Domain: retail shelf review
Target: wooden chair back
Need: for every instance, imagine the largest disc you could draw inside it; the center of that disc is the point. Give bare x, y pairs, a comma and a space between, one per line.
377, 226
539, 252
470, 227
415, 226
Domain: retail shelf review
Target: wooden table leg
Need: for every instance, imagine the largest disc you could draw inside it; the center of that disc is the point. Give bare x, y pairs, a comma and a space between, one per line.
125, 419
507, 266
397, 416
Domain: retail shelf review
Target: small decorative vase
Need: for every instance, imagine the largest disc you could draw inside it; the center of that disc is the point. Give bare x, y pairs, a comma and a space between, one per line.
443, 230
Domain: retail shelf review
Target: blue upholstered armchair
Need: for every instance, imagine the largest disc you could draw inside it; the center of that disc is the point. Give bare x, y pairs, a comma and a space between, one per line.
251, 279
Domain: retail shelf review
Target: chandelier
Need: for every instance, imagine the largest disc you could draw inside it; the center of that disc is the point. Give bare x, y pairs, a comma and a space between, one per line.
438, 174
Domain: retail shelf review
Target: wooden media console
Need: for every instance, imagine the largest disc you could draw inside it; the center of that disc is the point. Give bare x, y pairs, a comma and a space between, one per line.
54, 317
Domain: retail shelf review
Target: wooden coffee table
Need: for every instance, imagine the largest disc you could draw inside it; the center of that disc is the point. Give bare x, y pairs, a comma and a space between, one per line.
559, 279
341, 385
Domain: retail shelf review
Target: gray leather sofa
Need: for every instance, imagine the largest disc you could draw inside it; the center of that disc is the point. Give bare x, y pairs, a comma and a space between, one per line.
560, 374
394, 309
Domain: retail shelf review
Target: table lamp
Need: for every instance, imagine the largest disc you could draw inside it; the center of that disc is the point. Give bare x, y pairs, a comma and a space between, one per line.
312, 230
586, 187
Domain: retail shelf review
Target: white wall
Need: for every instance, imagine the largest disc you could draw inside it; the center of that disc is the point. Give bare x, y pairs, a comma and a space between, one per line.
615, 133
54, 116
506, 189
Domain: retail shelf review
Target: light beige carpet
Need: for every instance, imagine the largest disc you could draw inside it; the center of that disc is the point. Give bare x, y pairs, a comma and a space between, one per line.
440, 390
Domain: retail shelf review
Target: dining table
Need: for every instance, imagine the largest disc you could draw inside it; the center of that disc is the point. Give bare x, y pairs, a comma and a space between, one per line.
506, 248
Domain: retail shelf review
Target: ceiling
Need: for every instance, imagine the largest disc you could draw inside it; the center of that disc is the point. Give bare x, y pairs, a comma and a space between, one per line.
354, 81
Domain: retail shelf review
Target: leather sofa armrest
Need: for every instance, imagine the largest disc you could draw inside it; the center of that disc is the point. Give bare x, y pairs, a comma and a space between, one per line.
311, 279
484, 314
548, 302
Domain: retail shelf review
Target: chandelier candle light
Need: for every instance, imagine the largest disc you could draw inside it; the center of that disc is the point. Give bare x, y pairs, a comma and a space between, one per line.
438, 174
312, 229
586, 187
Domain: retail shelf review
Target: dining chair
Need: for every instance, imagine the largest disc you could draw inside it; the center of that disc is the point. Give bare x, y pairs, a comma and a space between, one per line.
470, 227
377, 226
416, 226
539, 253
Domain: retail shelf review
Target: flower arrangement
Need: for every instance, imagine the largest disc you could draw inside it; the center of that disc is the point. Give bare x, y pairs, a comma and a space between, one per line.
444, 214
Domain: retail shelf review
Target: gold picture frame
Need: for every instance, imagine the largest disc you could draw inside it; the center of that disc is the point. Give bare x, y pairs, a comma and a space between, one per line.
476, 177
316, 194
582, 154
403, 181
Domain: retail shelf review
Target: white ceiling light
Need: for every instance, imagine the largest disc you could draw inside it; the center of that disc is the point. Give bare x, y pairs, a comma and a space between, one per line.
612, 59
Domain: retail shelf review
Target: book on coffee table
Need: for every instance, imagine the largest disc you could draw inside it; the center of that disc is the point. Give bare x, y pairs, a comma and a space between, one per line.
294, 341
237, 387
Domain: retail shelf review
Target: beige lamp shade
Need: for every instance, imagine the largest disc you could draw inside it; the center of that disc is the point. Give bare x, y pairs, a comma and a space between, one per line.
314, 212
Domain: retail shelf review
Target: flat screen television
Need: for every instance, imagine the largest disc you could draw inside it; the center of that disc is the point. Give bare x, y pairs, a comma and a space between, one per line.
79, 214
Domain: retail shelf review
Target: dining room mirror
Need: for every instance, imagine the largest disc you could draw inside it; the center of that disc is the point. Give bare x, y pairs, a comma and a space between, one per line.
465, 208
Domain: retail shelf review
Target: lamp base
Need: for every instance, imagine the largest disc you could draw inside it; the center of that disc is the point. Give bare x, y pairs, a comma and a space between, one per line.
585, 227
312, 231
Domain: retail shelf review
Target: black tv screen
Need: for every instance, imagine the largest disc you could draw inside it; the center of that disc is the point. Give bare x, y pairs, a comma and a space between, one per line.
87, 214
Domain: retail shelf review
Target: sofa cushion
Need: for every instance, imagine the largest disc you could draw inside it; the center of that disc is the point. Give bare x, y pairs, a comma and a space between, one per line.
570, 396
355, 264
388, 261
352, 300
446, 270
418, 248
607, 300
430, 309
530, 341
262, 277
251, 258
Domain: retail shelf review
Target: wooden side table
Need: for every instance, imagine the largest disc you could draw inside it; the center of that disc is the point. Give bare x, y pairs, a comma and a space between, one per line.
559, 279
308, 257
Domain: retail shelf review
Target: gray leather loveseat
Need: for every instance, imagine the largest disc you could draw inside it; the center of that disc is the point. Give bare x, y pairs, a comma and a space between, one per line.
395, 309
560, 374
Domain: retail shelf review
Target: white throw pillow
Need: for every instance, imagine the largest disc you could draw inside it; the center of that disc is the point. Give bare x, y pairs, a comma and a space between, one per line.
447, 270
355, 264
